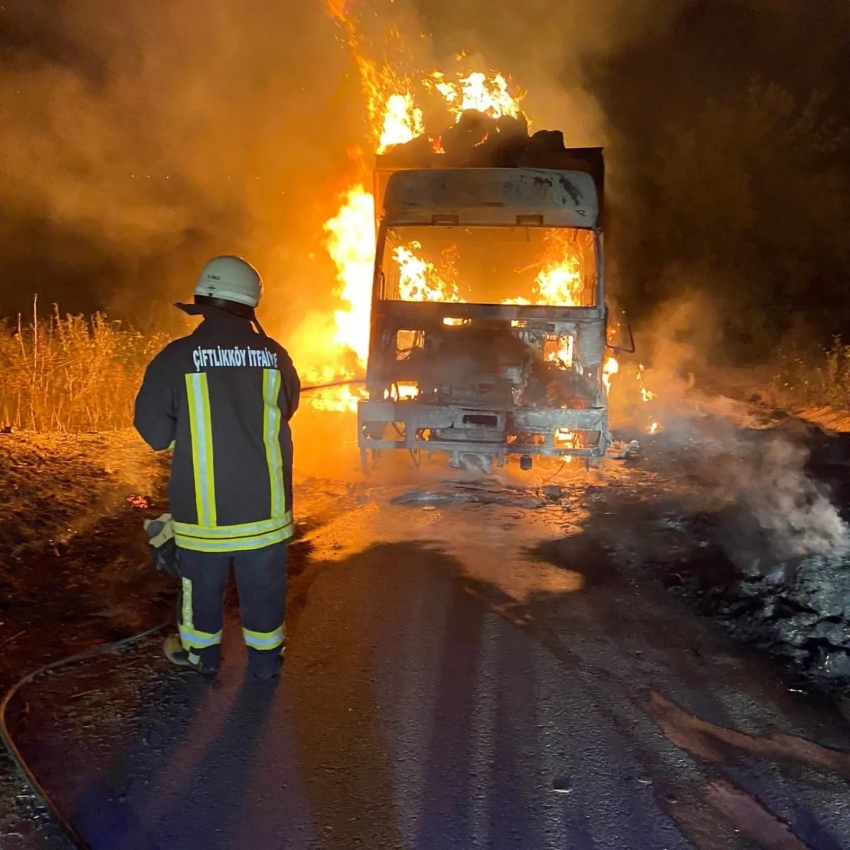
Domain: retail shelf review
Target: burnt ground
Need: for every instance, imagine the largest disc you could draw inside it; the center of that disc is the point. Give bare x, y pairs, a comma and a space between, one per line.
74, 570
768, 561
588, 580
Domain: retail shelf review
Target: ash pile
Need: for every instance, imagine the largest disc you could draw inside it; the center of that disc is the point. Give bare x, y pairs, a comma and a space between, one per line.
478, 140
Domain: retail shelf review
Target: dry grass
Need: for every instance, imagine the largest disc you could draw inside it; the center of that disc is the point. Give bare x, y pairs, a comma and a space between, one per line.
71, 373
816, 380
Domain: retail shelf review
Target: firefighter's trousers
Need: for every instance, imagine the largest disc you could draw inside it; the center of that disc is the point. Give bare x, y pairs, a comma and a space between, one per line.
261, 583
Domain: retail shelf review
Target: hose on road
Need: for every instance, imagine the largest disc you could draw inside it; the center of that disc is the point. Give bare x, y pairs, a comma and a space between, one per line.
38, 790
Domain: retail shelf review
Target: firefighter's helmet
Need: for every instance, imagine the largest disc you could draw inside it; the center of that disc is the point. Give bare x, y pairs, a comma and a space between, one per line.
230, 279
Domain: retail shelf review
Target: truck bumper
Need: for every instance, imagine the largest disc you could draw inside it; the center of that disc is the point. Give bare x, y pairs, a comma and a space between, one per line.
555, 432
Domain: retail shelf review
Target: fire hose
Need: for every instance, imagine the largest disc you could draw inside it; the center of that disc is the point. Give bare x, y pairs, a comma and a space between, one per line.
333, 384
36, 787
38, 790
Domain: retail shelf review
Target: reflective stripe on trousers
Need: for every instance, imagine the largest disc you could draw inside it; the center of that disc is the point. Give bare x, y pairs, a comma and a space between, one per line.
261, 582
190, 637
264, 640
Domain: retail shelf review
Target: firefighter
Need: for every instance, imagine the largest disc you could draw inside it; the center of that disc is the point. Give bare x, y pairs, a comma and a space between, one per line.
221, 399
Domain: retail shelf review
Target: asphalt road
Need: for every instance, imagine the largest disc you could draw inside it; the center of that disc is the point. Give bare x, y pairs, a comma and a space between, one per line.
467, 668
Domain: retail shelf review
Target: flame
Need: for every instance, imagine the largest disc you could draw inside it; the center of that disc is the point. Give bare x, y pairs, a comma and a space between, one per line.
402, 122
336, 8
562, 350
477, 92
560, 281
392, 115
423, 281
403, 391
351, 245
564, 438
645, 394
560, 284
609, 369
393, 118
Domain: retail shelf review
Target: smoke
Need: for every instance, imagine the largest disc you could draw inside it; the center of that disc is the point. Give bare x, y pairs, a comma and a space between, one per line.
546, 48
138, 139
792, 510
712, 134
770, 508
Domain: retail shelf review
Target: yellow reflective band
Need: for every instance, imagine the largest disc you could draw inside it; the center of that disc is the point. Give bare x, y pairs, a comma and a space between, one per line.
187, 603
264, 640
197, 389
248, 529
271, 436
194, 639
234, 544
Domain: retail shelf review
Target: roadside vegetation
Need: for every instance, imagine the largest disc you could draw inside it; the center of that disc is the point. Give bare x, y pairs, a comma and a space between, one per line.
71, 373
68, 454
810, 377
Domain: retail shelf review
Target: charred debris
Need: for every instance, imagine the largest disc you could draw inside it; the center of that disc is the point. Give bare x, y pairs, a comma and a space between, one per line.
478, 140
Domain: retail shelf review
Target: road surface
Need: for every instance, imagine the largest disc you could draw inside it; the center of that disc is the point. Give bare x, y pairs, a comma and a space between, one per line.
469, 666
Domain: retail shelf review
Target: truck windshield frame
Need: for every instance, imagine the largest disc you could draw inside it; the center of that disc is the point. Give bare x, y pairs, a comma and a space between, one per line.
489, 264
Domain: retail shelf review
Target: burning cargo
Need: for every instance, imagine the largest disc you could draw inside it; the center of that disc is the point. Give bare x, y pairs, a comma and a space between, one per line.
488, 320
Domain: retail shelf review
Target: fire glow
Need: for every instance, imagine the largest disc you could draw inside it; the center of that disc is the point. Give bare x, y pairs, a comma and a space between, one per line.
394, 118
350, 234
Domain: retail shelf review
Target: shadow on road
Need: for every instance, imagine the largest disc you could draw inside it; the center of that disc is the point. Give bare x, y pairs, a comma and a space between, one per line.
420, 708
404, 718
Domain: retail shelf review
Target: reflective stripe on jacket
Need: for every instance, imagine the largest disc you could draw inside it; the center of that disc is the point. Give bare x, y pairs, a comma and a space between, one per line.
223, 397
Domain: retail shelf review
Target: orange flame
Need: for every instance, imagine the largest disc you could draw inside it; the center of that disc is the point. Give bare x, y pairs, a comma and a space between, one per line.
351, 245
560, 283
393, 119
609, 369
336, 8
423, 281
402, 122
477, 92
645, 394
561, 350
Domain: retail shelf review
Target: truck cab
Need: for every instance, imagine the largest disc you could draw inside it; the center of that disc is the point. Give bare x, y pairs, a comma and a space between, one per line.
488, 324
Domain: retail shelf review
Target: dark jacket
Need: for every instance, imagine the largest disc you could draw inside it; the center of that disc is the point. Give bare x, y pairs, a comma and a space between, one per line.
222, 398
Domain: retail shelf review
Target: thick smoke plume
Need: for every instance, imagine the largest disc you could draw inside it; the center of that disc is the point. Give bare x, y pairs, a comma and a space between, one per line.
138, 139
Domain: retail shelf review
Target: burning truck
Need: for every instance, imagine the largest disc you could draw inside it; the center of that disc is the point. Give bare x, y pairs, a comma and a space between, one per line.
488, 320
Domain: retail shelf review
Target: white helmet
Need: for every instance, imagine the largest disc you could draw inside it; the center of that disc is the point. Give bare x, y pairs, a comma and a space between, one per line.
230, 279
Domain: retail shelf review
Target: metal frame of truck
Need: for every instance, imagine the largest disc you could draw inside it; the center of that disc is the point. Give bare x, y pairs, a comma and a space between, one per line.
488, 430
